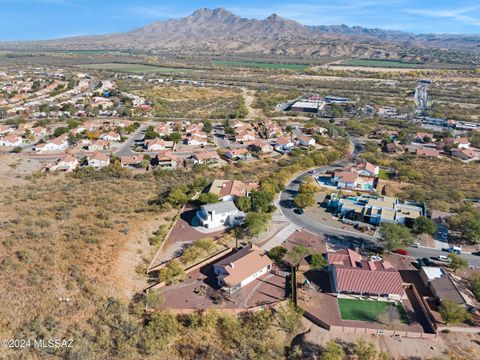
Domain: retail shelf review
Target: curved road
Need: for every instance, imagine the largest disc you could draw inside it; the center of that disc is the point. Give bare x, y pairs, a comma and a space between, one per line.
339, 237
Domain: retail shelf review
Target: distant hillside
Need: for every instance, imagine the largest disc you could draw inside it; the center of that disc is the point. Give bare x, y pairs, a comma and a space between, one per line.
219, 31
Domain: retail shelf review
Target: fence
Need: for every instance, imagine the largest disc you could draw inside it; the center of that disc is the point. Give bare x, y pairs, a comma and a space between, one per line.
393, 333
230, 311
189, 269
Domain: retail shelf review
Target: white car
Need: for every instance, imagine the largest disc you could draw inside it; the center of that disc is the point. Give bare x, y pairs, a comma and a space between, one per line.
443, 258
375, 258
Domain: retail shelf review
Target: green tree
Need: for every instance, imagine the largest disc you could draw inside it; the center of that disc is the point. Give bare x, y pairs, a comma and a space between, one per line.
475, 283
332, 351
453, 313
150, 133
172, 272
457, 262
297, 254
207, 126
177, 196
318, 262
244, 203
161, 327
175, 137
261, 201
467, 223
60, 131
256, 223
17, 149
423, 225
394, 236
288, 317
277, 253
365, 350
208, 198
304, 200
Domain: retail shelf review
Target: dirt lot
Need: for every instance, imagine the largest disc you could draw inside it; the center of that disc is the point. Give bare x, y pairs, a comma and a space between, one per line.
14, 169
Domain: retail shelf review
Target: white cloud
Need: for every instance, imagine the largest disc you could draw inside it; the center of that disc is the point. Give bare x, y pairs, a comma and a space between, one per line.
458, 14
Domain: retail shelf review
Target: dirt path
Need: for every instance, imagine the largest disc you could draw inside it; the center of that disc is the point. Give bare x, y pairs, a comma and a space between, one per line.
249, 97
133, 253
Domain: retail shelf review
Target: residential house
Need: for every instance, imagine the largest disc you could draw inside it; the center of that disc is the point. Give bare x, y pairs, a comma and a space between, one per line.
155, 145
165, 160
11, 140
5, 130
205, 157
244, 136
283, 144
66, 163
441, 284
465, 154
367, 169
220, 214
241, 268
375, 210
345, 179
259, 146
304, 140
463, 143
98, 160
351, 274
228, 190
58, 144
238, 154
111, 136
38, 131
196, 140
389, 147
99, 145
428, 152
422, 137
132, 161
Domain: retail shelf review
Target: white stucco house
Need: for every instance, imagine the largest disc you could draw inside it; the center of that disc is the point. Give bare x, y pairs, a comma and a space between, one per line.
11, 141
220, 214
98, 160
241, 267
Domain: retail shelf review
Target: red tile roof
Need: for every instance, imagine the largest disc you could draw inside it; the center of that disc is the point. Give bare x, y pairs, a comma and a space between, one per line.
356, 275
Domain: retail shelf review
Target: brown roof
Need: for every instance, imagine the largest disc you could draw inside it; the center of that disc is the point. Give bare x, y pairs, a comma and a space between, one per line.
367, 166
231, 187
346, 176
205, 155
243, 263
356, 275
99, 156
445, 289
427, 152
131, 160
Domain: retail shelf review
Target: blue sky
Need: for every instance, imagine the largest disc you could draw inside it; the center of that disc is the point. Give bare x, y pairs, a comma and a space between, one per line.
45, 19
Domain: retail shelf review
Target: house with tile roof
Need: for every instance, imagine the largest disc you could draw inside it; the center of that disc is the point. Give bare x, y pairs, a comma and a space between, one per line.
241, 268
352, 274
228, 190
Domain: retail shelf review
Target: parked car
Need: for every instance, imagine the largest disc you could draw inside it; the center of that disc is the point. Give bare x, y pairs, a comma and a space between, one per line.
415, 244
401, 251
375, 258
427, 261
443, 258
298, 211
455, 249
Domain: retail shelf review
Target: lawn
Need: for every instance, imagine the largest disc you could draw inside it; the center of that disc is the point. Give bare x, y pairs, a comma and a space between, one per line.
261, 65
384, 174
132, 68
368, 310
381, 63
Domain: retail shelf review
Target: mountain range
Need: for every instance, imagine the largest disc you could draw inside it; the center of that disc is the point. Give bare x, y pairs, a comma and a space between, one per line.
219, 31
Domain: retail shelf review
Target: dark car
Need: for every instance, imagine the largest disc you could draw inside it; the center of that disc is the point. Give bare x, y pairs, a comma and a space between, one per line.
298, 211
427, 261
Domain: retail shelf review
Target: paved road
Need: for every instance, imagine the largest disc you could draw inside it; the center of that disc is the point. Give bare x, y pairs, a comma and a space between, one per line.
339, 237
126, 149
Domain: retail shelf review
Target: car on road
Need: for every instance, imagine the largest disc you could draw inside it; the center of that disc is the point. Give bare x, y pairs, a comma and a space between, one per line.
298, 211
424, 262
401, 251
375, 258
415, 244
455, 249
443, 258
